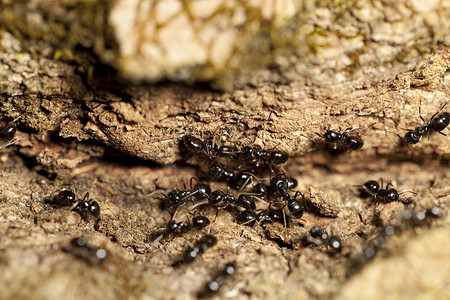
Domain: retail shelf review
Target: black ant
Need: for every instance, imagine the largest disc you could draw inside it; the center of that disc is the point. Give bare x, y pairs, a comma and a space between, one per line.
63, 198
258, 154
386, 195
413, 218
417, 218
277, 158
370, 251
271, 215
219, 172
209, 147
178, 198
437, 123
280, 184
217, 282
87, 206
193, 144
217, 197
194, 251
82, 250
294, 206
351, 141
69, 198
318, 237
8, 133
246, 217
198, 222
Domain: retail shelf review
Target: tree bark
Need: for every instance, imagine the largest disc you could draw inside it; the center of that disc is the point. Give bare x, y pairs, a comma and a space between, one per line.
103, 93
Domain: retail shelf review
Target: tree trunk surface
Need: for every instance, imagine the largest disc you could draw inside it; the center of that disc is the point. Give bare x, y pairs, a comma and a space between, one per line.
102, 94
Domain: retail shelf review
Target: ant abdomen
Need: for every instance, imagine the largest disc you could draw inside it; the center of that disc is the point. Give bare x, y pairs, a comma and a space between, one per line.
246, 201
7, 135
246, 217
353, 143
193, 144
371, 187
295, 208
412, 138
278, 157
441, 121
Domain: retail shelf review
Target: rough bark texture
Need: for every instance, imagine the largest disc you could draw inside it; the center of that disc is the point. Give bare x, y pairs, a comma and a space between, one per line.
77, 76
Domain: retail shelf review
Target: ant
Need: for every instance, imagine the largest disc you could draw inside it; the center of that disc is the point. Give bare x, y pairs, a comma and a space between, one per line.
69, 198
350, 140
198, 222
280, 184
87, 206
194, 251
246, 217
209, 147
178, 198
437, 123
219, 171
218, 280
258, 154
318, 236
63, 198
386, 195
422, 217
82, 250
271, 215
294, 206
414, 218
8, 133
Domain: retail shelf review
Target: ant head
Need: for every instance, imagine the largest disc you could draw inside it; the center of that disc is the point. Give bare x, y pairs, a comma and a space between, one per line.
392, 195
175, 198
94, 208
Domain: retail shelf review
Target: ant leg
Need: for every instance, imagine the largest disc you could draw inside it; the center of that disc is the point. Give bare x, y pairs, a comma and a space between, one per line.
214, 137
389, 185
75, 205
201, 132
361, 128
157, 193
381, 183
258, 198
8, 144
217, 213
420, 107
285, 224
250, 179
438, 132
174, 214
404, 192
199, 204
